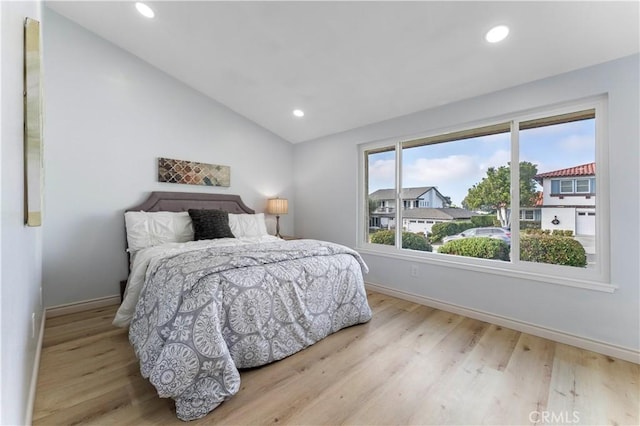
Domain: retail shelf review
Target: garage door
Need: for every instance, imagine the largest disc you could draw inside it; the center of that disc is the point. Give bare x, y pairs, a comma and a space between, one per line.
586, 222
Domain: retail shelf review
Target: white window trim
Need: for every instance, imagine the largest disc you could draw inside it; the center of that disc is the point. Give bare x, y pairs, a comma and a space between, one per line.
591, 279
573, 184
523, 215
588, 191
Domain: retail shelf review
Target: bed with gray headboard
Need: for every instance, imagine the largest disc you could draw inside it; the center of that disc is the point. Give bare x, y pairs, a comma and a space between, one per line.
164, 201
211, 293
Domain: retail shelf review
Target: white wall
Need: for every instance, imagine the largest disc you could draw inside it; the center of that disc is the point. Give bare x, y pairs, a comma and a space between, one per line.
21, 248
109, 116
326, 169
565, 215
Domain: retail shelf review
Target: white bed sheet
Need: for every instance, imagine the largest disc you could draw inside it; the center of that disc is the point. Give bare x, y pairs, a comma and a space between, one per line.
144, 259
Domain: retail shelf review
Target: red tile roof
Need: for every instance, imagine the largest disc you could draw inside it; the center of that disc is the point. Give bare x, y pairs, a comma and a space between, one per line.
582, 170
539, 199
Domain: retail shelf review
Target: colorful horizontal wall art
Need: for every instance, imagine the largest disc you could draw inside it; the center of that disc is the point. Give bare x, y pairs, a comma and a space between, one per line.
193, 173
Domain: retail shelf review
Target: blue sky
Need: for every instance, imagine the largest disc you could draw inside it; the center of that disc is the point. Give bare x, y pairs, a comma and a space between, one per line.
454, 167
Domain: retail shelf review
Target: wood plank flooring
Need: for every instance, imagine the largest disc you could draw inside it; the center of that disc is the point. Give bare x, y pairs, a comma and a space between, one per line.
410, 364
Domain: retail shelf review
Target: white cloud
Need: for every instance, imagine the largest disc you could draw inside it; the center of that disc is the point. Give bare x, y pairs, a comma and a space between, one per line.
577, 143
440, 171
453, 174
382, 169
382, 174
569, 151
499, 158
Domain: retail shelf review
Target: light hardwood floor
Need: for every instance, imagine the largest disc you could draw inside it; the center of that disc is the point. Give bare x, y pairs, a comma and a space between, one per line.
409, 365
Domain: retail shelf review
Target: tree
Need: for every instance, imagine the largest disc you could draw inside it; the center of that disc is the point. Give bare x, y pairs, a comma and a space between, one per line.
493, 192
373, 205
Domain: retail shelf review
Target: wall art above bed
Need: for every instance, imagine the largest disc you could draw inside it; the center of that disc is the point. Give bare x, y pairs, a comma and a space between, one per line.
193, 173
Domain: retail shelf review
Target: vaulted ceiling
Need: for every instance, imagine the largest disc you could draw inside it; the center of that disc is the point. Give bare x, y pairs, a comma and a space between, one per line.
348, 64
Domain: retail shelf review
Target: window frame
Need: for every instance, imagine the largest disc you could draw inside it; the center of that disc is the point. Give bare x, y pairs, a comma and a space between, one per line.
597, 278
523, 215
571, 190
588, 191
574, 186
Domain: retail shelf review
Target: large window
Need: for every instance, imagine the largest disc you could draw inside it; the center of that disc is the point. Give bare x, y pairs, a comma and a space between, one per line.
462, 202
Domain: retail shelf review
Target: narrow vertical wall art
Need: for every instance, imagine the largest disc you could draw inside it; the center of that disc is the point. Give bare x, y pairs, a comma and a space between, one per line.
33, 169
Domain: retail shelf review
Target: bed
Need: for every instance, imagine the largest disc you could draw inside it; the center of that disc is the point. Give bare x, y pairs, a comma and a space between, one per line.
202, 302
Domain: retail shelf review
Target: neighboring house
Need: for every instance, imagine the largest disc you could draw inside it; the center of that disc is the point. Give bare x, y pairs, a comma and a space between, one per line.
422, 207
422, 219
412, 198
533, 214
569, 199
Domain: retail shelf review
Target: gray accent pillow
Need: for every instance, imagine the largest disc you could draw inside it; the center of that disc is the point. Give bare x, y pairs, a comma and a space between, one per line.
210, 224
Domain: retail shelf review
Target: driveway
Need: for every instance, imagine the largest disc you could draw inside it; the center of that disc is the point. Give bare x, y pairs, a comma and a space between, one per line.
588, 242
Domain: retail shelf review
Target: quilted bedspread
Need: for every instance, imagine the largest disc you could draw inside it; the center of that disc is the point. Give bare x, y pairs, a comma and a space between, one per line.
204, 314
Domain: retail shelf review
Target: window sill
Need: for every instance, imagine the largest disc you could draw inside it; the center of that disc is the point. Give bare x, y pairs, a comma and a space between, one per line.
487, 267
572, 194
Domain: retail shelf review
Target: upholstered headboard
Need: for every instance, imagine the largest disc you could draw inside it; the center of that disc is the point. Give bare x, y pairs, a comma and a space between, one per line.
183, 201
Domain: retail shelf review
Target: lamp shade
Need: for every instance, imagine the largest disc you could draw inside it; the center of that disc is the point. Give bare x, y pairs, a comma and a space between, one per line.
277, 206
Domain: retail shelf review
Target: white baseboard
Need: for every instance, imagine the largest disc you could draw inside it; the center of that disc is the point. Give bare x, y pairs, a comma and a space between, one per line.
620, 352
34, 373
72, 308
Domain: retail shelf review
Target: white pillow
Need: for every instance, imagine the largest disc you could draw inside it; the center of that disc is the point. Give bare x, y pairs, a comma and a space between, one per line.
147, 229
247, 225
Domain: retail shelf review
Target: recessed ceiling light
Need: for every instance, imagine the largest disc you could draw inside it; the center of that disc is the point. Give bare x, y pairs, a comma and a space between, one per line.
298, 113
497, 34
145, 10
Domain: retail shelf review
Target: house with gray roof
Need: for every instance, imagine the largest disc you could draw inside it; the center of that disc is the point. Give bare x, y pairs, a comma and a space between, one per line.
424, 196
422, 207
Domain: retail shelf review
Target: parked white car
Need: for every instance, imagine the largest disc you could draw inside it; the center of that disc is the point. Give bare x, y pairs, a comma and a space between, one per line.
490, 232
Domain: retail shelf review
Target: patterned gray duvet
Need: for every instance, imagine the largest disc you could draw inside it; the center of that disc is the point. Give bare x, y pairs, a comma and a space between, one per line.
204, 314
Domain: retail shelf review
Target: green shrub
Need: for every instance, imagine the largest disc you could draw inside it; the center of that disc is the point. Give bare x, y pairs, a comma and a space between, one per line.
557, 232
443, 229
534, 231
409, 240
481, 247
562, 232
482, 221
387, 237
554, 249
415, 242
527, 224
